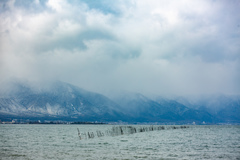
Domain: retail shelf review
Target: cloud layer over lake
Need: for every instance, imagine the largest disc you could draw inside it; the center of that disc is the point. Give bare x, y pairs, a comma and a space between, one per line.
153, 47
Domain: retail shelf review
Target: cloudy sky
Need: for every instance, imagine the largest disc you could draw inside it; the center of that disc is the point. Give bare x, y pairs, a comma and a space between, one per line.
162, 47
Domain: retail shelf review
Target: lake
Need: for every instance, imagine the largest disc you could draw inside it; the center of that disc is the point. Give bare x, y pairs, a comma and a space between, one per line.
23, 141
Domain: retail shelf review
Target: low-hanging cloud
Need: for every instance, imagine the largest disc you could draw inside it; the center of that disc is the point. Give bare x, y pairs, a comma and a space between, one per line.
152, 47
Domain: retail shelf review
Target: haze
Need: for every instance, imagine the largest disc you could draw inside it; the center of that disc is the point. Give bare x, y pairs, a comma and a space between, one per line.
155, 47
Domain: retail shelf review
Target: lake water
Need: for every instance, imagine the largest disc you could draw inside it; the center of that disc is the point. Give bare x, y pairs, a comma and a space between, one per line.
62, 142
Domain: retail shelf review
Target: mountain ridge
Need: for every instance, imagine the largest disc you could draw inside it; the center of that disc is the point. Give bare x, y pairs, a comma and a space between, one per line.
65, 101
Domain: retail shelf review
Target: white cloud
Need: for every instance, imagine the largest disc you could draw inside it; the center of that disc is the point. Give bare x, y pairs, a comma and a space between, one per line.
153, 47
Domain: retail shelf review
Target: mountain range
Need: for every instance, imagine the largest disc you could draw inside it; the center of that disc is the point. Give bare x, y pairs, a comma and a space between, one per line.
63, 101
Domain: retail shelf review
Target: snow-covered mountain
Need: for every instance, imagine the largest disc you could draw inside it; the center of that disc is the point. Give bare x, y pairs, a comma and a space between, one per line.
223, 108
63, 101
144, 109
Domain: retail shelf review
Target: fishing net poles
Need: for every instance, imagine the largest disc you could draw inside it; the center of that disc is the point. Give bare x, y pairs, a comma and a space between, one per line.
124, 130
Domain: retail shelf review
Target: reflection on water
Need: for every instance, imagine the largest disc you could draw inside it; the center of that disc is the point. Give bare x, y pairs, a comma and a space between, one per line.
62, 142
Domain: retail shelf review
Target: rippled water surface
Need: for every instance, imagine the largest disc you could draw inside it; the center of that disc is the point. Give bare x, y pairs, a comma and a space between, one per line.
62, 142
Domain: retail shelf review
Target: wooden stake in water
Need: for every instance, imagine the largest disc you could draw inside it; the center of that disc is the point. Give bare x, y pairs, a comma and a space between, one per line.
79, 134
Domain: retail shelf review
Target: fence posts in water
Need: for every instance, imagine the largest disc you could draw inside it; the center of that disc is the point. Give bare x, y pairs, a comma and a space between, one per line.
79, 134
121, 130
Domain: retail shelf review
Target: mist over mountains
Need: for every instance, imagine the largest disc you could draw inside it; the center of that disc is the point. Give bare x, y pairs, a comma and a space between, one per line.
160, 48
63, 101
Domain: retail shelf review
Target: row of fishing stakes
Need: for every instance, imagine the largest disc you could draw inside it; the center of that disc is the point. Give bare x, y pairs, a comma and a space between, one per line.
122, 130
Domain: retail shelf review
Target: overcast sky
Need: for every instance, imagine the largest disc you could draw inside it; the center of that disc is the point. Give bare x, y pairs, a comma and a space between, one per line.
162, 47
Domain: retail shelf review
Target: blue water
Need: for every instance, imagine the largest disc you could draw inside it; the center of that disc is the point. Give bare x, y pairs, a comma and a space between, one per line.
62, 142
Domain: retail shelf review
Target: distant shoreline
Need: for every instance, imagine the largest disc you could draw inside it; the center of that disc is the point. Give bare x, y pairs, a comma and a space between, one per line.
115, 123
52, 122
